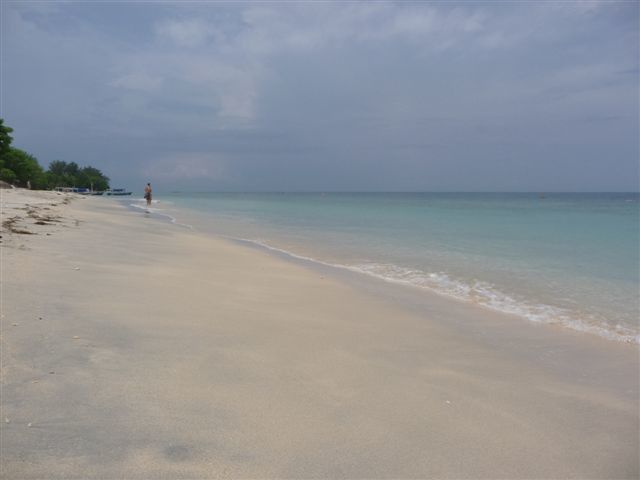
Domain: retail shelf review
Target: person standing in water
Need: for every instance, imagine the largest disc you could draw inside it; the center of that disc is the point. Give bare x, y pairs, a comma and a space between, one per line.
147, 194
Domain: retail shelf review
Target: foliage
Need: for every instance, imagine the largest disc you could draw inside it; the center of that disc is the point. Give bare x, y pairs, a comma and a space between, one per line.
5, 138
7, 175
63, 174
92, 176
25, 168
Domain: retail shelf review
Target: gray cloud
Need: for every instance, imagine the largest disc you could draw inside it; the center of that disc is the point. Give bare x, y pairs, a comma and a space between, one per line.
329, 96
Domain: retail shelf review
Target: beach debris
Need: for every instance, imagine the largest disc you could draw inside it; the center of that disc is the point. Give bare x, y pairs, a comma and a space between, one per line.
14, 324
35, 381
75, 337
447, 402
51, 372
6, 420
47, 219
10, 224
76, 268
39, 318
29, 425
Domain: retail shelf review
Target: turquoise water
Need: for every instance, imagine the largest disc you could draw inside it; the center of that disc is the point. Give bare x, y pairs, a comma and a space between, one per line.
567, 259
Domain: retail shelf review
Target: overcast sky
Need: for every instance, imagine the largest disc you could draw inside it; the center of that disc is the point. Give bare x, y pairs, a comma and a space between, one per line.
401, 96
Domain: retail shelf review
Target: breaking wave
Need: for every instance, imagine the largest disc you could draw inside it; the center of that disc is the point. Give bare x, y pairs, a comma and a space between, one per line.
477, 292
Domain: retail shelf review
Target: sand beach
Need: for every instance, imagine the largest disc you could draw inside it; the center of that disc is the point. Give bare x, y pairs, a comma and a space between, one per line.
135, 348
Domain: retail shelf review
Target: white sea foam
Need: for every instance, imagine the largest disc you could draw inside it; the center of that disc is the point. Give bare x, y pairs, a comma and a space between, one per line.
144, 200
160, 212
480, 293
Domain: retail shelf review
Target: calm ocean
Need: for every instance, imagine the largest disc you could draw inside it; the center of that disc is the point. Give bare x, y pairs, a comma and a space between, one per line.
569, 259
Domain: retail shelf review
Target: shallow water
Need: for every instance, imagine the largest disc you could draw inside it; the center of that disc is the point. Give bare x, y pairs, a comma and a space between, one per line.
569, 259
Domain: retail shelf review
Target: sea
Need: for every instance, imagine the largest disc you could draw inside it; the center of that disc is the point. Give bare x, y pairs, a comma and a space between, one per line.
567, 259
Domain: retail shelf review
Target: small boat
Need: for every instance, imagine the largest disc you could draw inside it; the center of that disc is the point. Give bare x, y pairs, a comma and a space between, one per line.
116, 191
82, 190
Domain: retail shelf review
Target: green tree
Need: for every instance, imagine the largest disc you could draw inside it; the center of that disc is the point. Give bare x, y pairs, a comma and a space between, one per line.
62, 174
7, 175
26, 168
69, 174
54, 174
93, 177
71, 169
5, 138
57, 167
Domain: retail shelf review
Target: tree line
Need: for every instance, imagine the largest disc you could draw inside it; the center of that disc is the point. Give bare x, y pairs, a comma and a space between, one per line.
22, 169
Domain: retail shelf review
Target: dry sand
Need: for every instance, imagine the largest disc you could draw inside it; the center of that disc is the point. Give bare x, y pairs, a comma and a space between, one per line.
132, 348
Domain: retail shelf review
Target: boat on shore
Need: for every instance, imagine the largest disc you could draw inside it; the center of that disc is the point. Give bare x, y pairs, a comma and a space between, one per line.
87, 191
116, 191
80, 190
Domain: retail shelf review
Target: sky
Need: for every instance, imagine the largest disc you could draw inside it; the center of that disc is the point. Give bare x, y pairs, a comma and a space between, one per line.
323, 96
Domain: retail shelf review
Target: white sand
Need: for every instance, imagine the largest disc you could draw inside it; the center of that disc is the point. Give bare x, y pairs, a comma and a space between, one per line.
132, 348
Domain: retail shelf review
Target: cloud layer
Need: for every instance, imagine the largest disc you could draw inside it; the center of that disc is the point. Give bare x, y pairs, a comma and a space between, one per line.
329, 96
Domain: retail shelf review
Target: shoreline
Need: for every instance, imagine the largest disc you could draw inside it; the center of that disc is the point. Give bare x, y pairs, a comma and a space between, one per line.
592, 330
196, 357
490, 299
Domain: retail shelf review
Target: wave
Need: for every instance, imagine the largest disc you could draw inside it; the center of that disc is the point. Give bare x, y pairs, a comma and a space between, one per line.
479, 293
159, 212
153, 202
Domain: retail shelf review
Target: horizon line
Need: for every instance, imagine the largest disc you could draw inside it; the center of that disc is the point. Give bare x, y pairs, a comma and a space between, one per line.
534, 192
